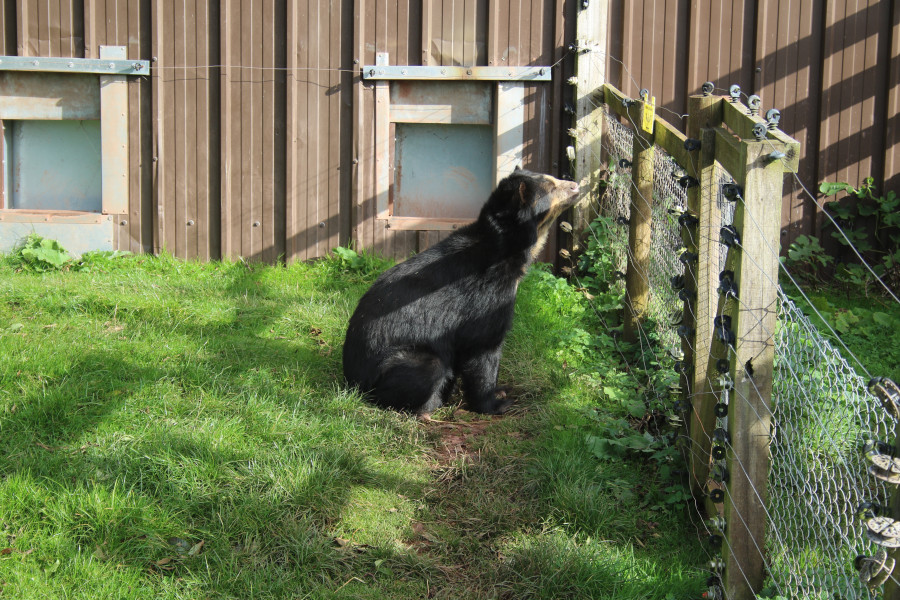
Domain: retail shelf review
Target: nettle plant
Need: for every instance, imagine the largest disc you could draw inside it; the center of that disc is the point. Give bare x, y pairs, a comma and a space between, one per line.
871, 224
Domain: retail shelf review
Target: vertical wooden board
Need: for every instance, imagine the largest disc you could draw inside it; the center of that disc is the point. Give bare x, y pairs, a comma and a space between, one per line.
140, 231
470, 19
892, 113
293, 40
445, 29
56, 29
8, 27
427, 27
493, 33
267, 126
829, 102
500, 31
562, 34
513, 51
182, 134
632, 74
875, 82
313, 131
853, 61
538, 50
335, 137
168, 158
323, 127
788, 62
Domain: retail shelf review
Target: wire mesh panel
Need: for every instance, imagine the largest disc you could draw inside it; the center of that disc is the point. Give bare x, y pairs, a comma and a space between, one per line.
616, 202
669, 200
823, 416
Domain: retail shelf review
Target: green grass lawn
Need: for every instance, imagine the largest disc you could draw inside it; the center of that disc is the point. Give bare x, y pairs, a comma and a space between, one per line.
179, 430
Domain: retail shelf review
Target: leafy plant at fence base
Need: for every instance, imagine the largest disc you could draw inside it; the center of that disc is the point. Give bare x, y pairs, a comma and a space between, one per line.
808, 254
871, 225
42, 254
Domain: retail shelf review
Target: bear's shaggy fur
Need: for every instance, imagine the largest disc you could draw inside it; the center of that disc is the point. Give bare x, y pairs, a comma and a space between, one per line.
444, 313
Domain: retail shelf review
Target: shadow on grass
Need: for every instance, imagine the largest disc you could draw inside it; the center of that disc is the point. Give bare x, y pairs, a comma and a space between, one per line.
235, 437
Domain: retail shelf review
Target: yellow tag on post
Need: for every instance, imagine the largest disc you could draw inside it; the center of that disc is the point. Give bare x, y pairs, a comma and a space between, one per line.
648, 114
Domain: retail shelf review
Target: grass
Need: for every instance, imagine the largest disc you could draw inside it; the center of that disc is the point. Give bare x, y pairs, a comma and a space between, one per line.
179, 430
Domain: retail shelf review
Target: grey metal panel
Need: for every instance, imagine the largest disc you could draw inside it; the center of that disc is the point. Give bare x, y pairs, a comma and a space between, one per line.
53, 165
77, 238
49, 96
442, 171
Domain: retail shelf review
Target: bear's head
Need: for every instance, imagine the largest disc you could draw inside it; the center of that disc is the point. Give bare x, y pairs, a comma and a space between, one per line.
529, 203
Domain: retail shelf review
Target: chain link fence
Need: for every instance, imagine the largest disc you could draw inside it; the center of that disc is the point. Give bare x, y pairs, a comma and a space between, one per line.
822, 411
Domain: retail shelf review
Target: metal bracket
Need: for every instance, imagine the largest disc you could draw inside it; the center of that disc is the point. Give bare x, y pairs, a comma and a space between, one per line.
75, 65
451, 73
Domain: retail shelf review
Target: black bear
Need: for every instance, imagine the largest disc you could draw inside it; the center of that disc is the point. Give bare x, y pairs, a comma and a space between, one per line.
443, 314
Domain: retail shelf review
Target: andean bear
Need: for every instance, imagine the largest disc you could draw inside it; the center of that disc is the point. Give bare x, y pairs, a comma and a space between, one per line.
443, 313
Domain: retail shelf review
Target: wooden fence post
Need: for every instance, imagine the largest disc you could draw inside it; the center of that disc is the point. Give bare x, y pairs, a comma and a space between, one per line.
590, 70
637, 282
701, 280
757, 221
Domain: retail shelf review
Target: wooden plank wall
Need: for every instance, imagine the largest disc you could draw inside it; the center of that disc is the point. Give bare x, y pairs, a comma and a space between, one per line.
830, 66
254, 134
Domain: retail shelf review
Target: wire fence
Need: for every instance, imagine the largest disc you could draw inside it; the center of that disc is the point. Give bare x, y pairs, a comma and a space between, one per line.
821, 413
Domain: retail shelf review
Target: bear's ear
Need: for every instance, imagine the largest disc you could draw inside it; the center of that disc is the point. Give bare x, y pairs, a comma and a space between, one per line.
518, 168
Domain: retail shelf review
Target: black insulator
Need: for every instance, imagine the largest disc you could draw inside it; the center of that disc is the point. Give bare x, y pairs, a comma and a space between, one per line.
624, 163
729, 236
685, 331
623, 220
721, 435
686, 181
732, 191
723, 366
691, 144
717, 496
707, 88
718, 452
677, 282
687, 257
686, 219
721, 409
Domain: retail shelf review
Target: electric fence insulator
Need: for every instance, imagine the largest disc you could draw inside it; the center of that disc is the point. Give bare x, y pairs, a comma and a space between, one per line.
687, 219
759, 131
729, 237
735, 92
888, 394
692, 144
875, 570
753, 104
773, 117
732, 191
707, 88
